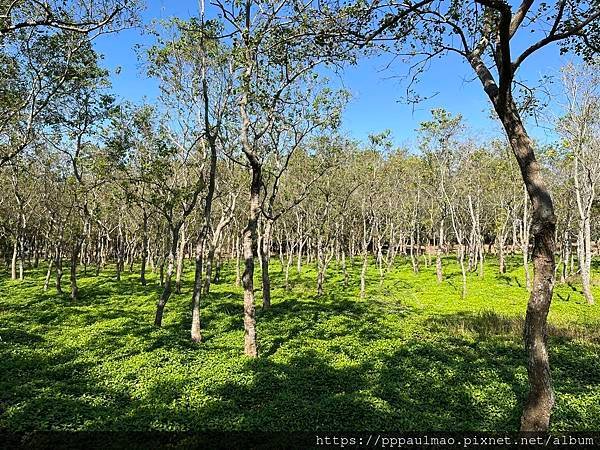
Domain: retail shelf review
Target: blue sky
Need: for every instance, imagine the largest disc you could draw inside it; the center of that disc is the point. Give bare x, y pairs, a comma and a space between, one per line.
377, 92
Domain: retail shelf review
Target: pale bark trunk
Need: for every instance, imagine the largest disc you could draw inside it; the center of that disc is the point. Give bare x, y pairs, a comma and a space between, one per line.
299, 261
438, 256
290, 260
525, 243
13, 266
48, 274
238, 276
180, 258
59, 269
463, 270
265, 255
344, 267
120, 250
501, 259
196, 330
144, 255
75, 249
363, 275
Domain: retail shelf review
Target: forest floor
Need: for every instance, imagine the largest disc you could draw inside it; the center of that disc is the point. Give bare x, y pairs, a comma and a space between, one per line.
412, 355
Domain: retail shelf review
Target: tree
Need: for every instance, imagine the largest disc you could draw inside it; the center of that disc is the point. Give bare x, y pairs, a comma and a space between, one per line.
79, 16
74, 120
580, 129
482, 33
275, 57
438, 146
39, 45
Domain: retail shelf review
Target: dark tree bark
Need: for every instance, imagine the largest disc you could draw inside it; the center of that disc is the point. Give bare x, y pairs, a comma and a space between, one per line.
536, 413
180, 260
250, 244
166, 293
540, 400
59, 269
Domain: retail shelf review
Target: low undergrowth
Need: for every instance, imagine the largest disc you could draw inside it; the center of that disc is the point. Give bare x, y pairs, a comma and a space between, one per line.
411, 355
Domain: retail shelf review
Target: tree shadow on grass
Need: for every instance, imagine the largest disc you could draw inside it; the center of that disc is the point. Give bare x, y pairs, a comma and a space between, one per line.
509, 279
423, 385
573, 358
489, 323
327, 363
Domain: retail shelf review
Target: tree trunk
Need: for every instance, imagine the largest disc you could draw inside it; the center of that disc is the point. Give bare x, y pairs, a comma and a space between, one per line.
586, 261
180, 257
290, 258
59, 269
166, 293
13, 266
320, 266
413, 257
21, 257
119, 244
249, 243
218, 266
75, 249
265, 256
438, 255
525, 243
48, 274
501, 263
363, 274
238, 276
566, 253
161, 271
481, 256
344, 267
299, 261
538, 407
463, 270
196, 330
144, 248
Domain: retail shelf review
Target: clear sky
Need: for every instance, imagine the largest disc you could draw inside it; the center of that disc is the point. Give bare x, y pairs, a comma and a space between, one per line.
377, 92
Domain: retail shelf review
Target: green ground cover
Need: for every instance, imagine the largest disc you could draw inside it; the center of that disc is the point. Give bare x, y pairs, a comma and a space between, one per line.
410, 356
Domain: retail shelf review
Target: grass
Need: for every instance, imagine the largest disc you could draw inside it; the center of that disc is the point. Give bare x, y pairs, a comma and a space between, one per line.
411, 356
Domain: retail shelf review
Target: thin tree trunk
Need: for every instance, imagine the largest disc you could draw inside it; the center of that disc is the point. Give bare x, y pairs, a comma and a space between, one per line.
166, 293
48, 274
363, 275
501, 262
75, 249
344, 267
265, 256
59, 269
461, 250
290, 258
238, 276
299, 261
13, 266
144, 248
196, 330
180, 257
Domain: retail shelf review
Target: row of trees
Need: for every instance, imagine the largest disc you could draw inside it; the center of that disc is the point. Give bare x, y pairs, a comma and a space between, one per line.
245, 135
129, 188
